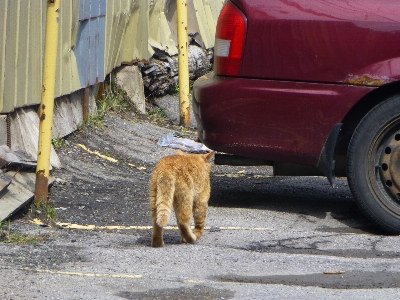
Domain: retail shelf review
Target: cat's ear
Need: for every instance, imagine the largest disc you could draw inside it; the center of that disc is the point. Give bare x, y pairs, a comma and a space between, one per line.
208, 156
179, 152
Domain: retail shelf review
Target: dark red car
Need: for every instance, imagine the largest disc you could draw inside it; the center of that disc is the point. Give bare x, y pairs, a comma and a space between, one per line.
310, 87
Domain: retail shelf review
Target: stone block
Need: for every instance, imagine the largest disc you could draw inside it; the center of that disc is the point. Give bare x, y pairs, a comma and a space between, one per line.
129, 78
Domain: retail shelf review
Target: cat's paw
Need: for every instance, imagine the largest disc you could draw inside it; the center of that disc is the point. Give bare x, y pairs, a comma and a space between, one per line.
155, 243
198, 233
190, 240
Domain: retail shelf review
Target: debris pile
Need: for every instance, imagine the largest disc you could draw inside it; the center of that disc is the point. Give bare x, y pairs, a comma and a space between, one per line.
160, 76
17, 180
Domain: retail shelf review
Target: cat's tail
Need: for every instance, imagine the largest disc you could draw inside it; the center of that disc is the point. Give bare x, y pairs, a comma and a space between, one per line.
165, 198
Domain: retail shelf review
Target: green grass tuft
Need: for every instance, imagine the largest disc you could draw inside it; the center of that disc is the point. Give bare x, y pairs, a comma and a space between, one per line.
156, 114
15, 237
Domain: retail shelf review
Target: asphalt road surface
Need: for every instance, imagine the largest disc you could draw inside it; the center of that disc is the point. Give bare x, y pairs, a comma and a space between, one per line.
266, 238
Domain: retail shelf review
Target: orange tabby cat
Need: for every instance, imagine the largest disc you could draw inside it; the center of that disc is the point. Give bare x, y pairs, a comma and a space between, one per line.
181, 180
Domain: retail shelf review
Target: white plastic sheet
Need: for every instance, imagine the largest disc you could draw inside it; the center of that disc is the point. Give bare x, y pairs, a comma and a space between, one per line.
170, 140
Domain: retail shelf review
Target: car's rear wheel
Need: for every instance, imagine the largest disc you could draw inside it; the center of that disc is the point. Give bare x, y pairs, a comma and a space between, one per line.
373, 167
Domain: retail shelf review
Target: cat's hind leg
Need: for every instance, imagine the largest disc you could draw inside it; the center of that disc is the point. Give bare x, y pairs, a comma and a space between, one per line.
200, 207
157, 239
183, 212
161, 197
164, 198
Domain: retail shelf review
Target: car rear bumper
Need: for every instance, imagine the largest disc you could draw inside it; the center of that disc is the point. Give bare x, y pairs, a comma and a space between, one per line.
270, 119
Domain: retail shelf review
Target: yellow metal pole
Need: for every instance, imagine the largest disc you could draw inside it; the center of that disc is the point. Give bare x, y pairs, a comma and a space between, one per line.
183, 71
47, 104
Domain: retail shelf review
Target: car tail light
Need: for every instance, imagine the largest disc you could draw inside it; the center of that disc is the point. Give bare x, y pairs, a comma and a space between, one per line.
229, 40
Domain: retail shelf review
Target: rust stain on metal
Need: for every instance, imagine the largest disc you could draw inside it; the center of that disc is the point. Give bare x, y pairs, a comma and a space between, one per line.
86, 104
134, 61
43, 88
42, 114
41, 186
8, 128
367, 80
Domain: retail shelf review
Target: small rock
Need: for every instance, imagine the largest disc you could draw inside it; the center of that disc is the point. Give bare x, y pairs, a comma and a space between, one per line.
215, 229
60, 181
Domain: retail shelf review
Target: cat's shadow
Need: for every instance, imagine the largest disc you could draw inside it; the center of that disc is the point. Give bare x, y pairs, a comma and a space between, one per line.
171, 237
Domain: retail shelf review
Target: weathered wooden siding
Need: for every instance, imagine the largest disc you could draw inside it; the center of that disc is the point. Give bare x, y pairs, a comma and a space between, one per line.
123, 31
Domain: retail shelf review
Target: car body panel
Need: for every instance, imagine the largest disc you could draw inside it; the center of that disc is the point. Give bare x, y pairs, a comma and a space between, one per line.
306, 64
275, 120
329, 41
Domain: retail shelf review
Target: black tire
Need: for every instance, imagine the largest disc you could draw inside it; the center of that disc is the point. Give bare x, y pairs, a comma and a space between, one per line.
373, 165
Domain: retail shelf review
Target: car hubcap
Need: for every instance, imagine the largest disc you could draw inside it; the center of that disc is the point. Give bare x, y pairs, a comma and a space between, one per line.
387, 173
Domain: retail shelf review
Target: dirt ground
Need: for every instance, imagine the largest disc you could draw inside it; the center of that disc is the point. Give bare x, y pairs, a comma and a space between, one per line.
91, 189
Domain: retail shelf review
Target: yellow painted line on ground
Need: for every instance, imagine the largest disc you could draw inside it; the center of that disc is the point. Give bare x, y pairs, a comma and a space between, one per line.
82, 274
230, 175
194, 281
114, 227
243, 228
139, 168
110, 227
240, 174
118, 227
97, 153
262, 176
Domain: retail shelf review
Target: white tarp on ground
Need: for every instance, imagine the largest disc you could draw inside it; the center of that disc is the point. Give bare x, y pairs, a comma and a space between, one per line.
172, 141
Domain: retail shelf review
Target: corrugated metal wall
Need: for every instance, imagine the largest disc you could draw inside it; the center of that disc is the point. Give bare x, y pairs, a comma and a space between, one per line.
21, 47
95, 37
67, 74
